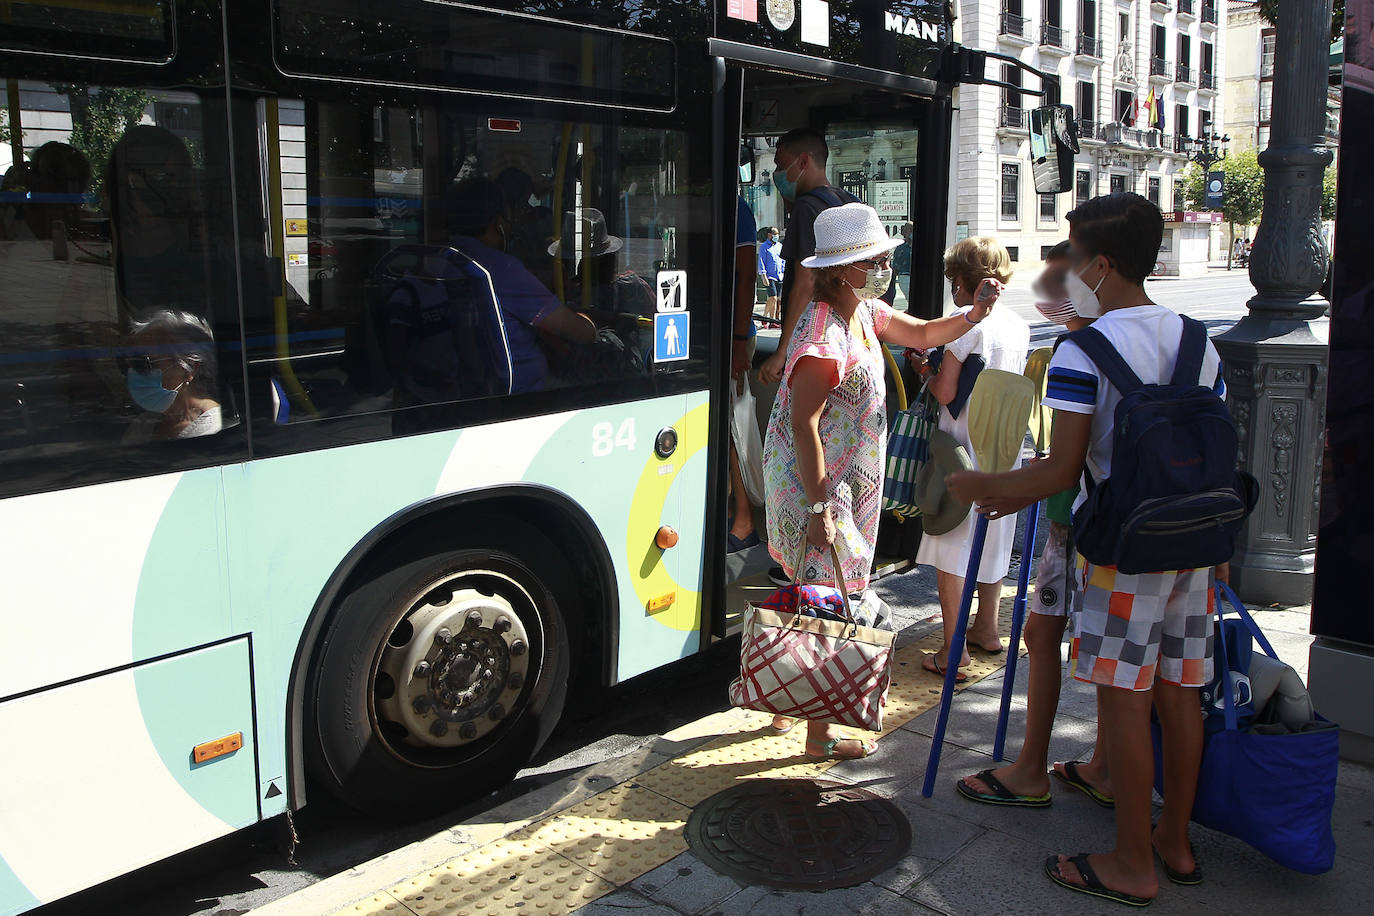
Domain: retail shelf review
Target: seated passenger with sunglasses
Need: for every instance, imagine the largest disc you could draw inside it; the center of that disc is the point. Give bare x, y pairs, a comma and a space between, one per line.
169, 366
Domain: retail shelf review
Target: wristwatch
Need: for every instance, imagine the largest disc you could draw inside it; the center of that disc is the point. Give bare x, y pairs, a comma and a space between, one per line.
819, 508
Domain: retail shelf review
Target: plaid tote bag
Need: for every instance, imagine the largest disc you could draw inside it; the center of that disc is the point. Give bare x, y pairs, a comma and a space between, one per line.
814, 667
908, 447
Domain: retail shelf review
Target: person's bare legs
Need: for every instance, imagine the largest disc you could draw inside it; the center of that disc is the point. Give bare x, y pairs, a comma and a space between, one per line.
1097, 772
1028, 773
951, 589
743, 510
982, 628
1181, 728
1129, 867
818, 734
770, 310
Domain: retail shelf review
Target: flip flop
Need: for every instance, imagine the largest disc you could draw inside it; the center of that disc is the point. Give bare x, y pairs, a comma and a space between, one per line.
870, 747
934, 668
1001, 794
1091, 885
982, 648
1071, 777
1183, 878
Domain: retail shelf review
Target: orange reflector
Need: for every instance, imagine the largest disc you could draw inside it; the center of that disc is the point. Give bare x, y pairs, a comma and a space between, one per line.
666, 537
661, 602
217, 748
509, 125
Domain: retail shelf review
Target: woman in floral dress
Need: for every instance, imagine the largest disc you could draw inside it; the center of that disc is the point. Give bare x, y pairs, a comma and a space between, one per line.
824, 452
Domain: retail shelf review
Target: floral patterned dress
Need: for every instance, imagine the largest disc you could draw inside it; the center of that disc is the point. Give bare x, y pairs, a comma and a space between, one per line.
853, 431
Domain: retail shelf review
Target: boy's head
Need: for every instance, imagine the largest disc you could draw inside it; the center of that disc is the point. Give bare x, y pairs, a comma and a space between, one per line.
1051, 293
1115, 234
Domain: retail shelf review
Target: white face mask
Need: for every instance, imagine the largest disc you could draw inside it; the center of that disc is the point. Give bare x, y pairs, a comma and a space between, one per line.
1059, 310
1084, 299
876, 282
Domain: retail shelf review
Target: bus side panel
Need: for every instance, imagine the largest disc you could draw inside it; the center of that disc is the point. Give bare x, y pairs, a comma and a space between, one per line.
98, 776
294, 519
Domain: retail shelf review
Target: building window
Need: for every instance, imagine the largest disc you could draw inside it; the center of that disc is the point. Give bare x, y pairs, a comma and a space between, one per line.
1158, 40
1267, 55
1082, 187
1048, 211
1014, 251
1181, 120
1154, 191
1266, 102
1124, 98
1204, 122
1054, 13
1012, 115
1185, 51
1118, 184
1087, 108
1179, 202
1045, 251
1208, 57
1262, 137
854, 183
1011, 191
1123, 26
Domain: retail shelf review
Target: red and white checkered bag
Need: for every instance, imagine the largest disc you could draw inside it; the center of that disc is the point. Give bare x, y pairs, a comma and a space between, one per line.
813, 668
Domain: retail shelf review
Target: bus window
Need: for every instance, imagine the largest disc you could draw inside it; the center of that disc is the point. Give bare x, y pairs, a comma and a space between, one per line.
112, 285
467, 261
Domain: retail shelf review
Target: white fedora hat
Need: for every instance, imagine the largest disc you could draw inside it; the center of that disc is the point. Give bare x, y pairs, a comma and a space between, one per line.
847, 234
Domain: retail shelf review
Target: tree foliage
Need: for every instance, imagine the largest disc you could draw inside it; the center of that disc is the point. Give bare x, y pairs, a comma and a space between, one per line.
99, 119
1269, 9
1244, 195
1329, 192
4, 127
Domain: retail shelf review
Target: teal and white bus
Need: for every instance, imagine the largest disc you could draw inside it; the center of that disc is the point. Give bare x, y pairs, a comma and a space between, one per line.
321, 467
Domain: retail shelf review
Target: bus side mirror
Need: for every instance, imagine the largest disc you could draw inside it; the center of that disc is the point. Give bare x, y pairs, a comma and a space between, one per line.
1053, 144
746, 164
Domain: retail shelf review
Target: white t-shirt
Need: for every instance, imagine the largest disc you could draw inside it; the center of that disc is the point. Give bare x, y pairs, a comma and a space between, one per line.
1147, 337
1001, 338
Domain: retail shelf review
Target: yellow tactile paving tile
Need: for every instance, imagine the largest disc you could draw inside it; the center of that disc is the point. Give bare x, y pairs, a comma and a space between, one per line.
570, 858
619, 835
507, 876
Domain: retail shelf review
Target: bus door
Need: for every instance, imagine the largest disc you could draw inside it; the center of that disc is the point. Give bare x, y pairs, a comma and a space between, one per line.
888, 149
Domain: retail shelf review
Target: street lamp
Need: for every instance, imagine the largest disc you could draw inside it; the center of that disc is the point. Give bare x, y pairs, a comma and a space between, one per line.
1208, 149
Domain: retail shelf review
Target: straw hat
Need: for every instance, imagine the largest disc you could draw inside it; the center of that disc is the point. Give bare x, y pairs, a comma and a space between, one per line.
847, 234
941, 513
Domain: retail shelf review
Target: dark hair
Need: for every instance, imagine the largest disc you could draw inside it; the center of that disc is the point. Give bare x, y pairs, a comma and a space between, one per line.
1125, 228
1058, 251
764, 233
473, 205
830, 282
805, 140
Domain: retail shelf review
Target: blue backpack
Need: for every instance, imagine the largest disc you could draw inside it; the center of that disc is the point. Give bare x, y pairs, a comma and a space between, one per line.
1175, 499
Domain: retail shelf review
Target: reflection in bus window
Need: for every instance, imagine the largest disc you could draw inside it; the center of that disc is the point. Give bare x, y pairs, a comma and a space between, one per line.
433, 256
106, 278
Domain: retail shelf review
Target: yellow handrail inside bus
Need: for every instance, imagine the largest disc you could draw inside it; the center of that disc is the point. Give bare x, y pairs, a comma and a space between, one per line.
897, 384
560, 174
277, 244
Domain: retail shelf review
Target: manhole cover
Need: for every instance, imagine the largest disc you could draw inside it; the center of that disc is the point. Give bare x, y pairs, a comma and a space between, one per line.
803, 834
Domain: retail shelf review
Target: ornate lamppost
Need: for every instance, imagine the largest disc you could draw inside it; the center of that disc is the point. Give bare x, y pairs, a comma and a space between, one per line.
1276, 357
1207, 151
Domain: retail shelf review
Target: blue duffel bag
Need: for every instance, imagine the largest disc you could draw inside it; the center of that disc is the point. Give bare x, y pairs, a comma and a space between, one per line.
1270, 781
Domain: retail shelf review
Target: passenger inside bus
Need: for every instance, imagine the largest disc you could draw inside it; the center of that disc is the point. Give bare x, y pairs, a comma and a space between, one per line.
593, 274
477, 222
170, 370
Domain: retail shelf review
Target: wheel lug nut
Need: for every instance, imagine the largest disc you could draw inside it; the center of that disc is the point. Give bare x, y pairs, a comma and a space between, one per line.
422, 669
444, 636
502, 624
515, 681
468, 731
421, 705
438, 728
486, 673
517, 648
475, 618
498, 712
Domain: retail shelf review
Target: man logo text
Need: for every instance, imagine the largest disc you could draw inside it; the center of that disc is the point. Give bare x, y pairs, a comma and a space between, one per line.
927, 31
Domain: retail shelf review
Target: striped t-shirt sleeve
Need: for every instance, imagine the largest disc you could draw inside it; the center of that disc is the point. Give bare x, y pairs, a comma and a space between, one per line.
1072, 381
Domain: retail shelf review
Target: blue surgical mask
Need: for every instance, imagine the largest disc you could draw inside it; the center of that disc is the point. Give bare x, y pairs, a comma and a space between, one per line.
786, 186
147, 391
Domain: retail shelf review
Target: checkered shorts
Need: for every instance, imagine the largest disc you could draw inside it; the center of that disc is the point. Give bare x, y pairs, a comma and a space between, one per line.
1131, 630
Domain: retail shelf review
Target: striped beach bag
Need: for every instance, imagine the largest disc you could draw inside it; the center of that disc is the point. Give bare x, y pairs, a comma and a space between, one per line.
908, 447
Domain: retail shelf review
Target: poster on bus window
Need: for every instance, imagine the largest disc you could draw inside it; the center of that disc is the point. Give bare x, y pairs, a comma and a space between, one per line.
891, 199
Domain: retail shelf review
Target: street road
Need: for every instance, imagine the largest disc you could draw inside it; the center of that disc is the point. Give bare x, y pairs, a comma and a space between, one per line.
232, 875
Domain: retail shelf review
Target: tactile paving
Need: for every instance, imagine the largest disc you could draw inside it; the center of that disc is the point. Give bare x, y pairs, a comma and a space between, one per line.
503, 877
379, 903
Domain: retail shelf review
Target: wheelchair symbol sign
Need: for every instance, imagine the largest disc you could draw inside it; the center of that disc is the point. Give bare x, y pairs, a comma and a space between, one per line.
672, 335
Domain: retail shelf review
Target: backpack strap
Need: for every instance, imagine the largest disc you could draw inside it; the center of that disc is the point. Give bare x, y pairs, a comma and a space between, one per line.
1100, 350
1192, 347
830, 196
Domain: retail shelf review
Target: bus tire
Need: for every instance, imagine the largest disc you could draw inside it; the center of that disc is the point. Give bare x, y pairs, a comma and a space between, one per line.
439, 677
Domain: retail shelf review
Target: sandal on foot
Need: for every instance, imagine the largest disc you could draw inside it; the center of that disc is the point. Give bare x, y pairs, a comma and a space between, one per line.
791, 724
1071, 777
1000, 795
934, 668
1183, 878
828, 749
1091, 884
982, 648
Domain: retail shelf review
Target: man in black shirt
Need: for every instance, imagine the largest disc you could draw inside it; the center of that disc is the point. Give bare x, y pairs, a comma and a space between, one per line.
799, 174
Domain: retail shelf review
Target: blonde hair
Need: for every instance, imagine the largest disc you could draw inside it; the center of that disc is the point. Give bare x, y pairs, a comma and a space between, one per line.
974, 259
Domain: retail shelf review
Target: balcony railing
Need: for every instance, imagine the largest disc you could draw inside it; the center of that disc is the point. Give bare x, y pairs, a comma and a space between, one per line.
1011, 116
1089, 45
1087, 129
1183, 74
1207, 81
1185, 7
1159, 66
1051, 35
1013, 24
1209, 12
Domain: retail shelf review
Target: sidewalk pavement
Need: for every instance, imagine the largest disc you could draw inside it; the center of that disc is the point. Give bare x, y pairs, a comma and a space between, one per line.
608, 839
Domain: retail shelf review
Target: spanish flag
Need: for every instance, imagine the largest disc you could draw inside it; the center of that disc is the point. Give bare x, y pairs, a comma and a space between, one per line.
1151, 109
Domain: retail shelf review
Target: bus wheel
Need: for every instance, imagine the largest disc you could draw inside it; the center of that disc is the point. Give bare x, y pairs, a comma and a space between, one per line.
439, 679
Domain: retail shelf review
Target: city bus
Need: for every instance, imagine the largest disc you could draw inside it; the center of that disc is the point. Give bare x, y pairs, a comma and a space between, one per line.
363, 375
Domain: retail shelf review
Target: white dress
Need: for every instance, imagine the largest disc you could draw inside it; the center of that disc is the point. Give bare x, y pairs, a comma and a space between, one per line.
1002, 339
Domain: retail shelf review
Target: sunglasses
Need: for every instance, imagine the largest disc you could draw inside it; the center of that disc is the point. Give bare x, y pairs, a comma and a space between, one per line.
880, 263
